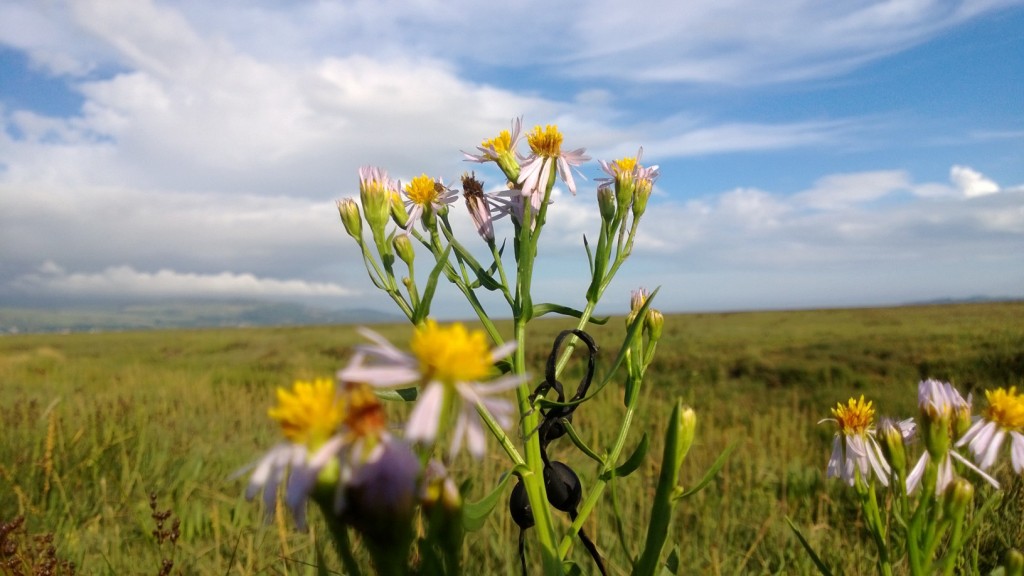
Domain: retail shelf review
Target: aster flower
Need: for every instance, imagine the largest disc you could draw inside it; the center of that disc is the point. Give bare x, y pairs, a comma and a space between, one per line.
449, 364
311, 415
546, 152
854, 448
426, 197
631, 181
501, 150
1003, 416
375, 191
942, 409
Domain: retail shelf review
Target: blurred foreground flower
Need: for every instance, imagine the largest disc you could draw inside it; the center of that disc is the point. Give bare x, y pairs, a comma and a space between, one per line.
310, 415
449, 365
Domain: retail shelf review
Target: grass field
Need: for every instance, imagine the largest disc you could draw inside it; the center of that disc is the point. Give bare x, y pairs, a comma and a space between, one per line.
96, 426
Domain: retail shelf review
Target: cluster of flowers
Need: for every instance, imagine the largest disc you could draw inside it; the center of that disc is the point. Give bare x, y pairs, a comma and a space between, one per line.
338, 447
861, 451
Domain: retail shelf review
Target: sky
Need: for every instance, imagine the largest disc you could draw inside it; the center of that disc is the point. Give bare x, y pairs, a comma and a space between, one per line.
812, 154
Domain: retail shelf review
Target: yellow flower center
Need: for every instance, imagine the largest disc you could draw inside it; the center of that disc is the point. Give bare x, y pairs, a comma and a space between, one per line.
501, 144
546, 141
452, 354
624, 167
310, 412
422, 190
1005, 408
855, 418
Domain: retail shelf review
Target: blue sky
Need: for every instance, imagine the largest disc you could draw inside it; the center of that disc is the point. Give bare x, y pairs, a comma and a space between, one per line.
812, 155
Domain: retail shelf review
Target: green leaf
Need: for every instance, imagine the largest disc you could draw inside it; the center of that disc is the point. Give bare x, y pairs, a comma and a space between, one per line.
423, 310
810, 551
475, 513
710, 474
397, 395
631, 463
548, 308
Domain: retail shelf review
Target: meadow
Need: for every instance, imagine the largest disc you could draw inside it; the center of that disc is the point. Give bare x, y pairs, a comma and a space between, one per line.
108, 439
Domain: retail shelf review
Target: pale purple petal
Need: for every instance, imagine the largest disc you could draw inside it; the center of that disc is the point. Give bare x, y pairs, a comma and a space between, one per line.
475, 437
835, 461
425, 417
917, 473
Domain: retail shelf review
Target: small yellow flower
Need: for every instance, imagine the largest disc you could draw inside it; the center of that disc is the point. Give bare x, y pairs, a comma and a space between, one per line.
451, 354
854, 418
310, 412
501, 144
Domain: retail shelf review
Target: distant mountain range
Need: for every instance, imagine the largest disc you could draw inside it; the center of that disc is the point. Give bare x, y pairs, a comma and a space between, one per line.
179, 314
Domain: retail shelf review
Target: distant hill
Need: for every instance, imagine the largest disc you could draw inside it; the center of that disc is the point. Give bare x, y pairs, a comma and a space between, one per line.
179, 314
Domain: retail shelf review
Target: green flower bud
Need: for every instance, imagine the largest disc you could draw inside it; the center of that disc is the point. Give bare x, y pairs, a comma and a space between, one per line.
640, 197
398, 212
687, 431
654, 323
957, 498
350, 219
375, 189
1013, 563
404, 248
892, 445
606, 203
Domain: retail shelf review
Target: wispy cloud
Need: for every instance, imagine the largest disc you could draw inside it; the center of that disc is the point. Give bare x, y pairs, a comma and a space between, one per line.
50, 279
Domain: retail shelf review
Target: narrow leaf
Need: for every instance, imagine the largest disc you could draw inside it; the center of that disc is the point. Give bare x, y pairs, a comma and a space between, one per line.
475, 513
711, 473
631, 463
397, 395
548, 308
810, 551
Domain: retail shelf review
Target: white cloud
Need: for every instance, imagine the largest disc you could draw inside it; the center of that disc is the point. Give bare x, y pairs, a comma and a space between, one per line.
970, 182
838, 191
124, 281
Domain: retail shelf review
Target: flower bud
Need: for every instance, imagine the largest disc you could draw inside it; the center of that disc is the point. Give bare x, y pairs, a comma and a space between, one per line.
892, 445
1013, 563
606, 203
957, 498
398, 212
350, 219
404, 248
687, 431
654, 323
640, 197
375, 189
380, 499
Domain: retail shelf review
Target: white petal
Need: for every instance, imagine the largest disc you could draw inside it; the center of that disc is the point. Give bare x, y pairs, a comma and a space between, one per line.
1017, 451
969, 464
917, 473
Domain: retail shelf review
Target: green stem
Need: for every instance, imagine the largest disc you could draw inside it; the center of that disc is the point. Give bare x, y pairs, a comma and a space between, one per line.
533, 481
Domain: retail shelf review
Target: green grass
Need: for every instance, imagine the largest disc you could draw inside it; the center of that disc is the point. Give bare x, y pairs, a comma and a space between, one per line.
93, 425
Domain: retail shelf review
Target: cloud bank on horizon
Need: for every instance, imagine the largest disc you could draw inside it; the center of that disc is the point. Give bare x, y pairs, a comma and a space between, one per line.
812, 155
